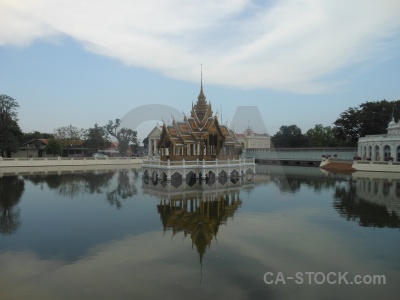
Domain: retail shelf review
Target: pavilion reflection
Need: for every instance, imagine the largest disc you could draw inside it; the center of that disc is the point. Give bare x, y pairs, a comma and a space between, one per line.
197, 209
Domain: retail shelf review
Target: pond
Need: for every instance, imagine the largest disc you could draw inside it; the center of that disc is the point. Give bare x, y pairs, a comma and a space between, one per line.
286, 233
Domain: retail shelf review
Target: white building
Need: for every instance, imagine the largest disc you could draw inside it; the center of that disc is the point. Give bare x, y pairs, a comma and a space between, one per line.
381, 147
154, 138
251, 140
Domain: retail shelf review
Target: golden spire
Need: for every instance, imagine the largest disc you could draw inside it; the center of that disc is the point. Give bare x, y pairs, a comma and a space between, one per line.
201, 98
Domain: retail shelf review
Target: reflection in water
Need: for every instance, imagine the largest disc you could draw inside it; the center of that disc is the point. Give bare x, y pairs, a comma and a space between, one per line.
370, 200
82, 249
125, 189
74, 184
291, 179
197, 208
11, 190
198, 217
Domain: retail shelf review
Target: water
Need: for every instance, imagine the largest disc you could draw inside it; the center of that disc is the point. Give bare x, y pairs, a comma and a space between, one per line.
107, 234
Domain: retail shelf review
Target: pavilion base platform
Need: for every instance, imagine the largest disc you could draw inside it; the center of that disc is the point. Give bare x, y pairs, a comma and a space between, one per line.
204, 169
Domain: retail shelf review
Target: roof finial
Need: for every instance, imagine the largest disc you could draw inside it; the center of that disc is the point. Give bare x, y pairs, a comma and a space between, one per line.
393, 114
201, 98
201, 76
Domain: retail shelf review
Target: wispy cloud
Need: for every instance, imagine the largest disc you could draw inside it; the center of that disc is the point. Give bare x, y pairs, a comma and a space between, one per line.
283, 45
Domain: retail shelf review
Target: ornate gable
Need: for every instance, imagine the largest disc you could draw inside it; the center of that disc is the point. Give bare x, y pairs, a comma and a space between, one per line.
201, 111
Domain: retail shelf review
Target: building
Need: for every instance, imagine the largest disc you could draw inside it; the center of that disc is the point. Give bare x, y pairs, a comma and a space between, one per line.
153, 139
112, 150
251, 140
37, 148
381, 147
199, 136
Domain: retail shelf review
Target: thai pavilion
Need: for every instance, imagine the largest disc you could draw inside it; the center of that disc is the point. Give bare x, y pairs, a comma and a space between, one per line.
200, 136
198, 147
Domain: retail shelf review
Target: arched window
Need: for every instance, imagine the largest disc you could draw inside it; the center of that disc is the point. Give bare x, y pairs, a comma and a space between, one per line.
398, 153
369, 152
386, 151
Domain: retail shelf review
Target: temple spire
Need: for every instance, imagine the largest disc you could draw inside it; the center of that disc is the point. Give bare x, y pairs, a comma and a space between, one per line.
201, 97
201, 76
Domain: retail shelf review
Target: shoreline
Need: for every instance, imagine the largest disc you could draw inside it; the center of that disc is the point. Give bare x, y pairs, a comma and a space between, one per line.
67, 161
337, 165
39, 170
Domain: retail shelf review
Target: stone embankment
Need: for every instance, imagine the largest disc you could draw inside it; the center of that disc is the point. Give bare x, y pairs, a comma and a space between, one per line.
67, 161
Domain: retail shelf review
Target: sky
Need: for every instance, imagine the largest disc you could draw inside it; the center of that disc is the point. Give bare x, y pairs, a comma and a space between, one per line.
300, 62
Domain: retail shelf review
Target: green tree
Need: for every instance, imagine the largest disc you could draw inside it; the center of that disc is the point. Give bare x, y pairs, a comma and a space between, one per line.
68, 133
321, 136
289, 137
54, 146
97, 138
368, 118
145, 143
26, 137
10, 133
124, 136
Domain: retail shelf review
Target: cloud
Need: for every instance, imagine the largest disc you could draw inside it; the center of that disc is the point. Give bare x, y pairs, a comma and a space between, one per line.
284, 45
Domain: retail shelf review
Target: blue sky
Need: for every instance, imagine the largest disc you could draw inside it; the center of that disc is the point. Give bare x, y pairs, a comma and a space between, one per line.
300, 62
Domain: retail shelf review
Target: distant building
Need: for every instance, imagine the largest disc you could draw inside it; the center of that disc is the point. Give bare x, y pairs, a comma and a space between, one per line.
37, 148
154, 138
380, 147
112, 150
251, 140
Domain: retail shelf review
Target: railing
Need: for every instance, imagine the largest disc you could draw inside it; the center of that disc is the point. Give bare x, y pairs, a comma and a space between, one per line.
191, 163
64, 158
195, 157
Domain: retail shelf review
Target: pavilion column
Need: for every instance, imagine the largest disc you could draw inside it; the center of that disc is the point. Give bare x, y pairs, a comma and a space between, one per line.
154, 146
393, 152
373, 155
381, 153
217, 153
149, 148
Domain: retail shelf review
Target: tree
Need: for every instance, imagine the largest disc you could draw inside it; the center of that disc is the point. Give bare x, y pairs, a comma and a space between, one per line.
68, 133
54, 146
368, 118
26, 137
97, 138
321, 136
124, 135
145, 143
288, 137
10, 133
